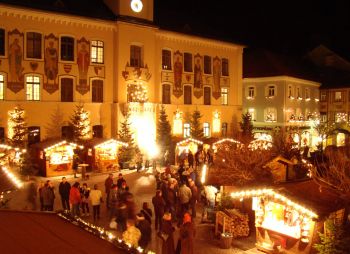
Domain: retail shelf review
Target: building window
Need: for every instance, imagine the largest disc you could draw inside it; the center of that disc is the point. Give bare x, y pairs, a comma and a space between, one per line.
97, 131
206, 130
67, 132
290, 92
66, 89
207, 65
323, 96
33, 88
251, 92
136, 56
166, 94
270, 115
187, 130
337, 96
2, 134
307, 94
34, 45
67, 48
33, 135
271, 91
298, 93
341, 117
224, 129
2, 42
97, 49
97, 90
323, 117
2, 86
224, 96
187, 95
207, 96
166, 59
188, 62
251, 112
224, 65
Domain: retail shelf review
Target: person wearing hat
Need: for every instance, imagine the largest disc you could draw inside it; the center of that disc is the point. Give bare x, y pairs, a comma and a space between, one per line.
187, 234
166, 234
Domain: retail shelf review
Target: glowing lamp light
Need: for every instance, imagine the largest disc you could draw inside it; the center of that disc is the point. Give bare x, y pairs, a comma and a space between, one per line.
13, 178
204, 173
216, 122
177, 123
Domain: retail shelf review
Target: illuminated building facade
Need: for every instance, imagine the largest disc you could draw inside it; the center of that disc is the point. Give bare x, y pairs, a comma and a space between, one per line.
112, 57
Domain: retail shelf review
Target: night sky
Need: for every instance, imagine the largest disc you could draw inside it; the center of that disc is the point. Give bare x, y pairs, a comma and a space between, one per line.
290, 27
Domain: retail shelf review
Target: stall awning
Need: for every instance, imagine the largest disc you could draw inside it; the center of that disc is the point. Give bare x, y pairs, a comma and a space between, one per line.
188, 140
110, 142
230, 140
50, 144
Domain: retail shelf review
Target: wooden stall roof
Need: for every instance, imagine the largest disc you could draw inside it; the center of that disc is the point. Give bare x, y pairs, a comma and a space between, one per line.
321, 200
97, 141
37, 232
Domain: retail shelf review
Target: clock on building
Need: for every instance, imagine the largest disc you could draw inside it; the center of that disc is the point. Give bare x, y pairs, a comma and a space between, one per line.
136, 5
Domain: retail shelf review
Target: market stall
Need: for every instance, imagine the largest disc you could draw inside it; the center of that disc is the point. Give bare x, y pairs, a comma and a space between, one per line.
103, 154
223, 142
55, 158
186, 145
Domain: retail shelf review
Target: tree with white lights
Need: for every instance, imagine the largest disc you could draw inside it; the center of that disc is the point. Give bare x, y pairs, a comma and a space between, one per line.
163, 132
17, 127
196, 129
80, 121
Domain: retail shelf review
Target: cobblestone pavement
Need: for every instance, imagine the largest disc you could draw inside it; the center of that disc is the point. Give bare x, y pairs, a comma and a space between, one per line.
142, 185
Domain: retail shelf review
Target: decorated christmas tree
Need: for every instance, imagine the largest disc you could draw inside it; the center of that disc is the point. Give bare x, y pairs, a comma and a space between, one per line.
80, 121
17, 127
196, 130
247, 128
163, 131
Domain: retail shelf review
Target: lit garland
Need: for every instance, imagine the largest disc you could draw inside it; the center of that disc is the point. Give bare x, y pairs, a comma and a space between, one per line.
62, 143
225, 140
110, 142
102, 233
260, 144
273, 194
137, 93
6, 147
189, 140
13, 178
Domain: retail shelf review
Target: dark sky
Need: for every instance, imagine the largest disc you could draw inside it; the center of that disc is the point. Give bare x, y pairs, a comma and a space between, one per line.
291, 27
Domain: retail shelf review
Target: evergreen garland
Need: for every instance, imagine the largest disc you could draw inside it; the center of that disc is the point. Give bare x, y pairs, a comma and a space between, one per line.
196, 129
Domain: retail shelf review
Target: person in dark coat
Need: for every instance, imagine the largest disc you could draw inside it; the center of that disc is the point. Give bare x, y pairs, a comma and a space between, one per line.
64, 189
146, 232
120, 180
187, 234
40, 192
190, 159
194, 197
122, 216
171, 199
146, 212
166, 234
108, 186
48, 196
159, 208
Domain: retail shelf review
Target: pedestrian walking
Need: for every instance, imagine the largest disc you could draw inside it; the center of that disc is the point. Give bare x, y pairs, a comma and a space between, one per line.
84, 193
32, 195
167, 235
40, 192
159, 208
147, 212
190, 159
187, 234
120, 180
96, 199
194, 197
184, 198
146, 231
132, 234
75, 199
113, 201
108, 185
48, 194
64, 190
122, 216
171, 199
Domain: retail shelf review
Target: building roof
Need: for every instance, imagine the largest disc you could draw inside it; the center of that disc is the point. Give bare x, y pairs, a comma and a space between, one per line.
91, 8
38, 232
259, 63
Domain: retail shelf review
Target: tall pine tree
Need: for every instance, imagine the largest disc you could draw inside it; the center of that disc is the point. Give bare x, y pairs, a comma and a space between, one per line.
127, 154
80, 121
163, 131
54, 126
196, 129
18, 127
247, 128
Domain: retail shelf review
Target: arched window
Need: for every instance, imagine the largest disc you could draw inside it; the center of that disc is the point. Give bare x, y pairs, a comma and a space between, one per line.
166, 94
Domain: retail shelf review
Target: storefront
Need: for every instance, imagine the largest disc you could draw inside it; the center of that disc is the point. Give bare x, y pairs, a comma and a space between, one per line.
55, 158
185, 146
103, 154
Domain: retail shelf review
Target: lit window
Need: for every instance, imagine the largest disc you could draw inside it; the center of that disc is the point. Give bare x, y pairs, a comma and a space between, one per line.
251, 112
323, 96
340, 117
33, 88
270, 115
207, 65
224, 96
337, 96
2, 42
136, 56
34, 45
323, 117
271, 91
1, 87
67, 48
188, 62
206, 130
187, 130
166, 59
97, 49
251, 92
224, 71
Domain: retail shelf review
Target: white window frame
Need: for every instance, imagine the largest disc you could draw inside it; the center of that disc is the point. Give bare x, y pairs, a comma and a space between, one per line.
252, 113
187, 130
224, 96
206, 130
323, 96
42, 45
33, 88
97, 54
2, 86
290, 92
251, 92
271, 91
338, 96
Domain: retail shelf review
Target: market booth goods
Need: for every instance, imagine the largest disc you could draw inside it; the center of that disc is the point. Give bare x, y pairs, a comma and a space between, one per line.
288, 217
186, 145
55, 158
103, 154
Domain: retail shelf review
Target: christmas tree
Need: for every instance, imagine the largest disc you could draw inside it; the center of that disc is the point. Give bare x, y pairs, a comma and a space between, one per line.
80, 121
17, 127
163, 131
196, 130
127, 154
54, 127
247, 128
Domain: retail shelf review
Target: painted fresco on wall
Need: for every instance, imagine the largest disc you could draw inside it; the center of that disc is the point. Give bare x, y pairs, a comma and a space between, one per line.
178, 68
83, 61
216, 77
51, 63
198, 74
15, 56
